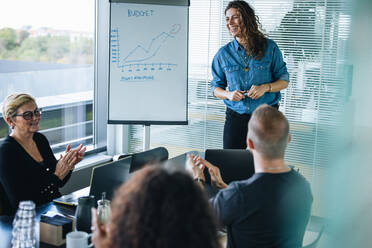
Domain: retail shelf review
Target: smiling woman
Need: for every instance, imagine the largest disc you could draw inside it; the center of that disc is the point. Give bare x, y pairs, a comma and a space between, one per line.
247, 72
28, 168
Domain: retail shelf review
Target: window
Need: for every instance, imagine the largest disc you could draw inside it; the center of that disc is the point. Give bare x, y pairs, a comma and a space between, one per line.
313, 36
47, 50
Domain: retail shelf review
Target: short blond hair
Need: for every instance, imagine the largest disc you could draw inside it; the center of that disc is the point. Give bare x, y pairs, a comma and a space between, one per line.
12, 103
269, 131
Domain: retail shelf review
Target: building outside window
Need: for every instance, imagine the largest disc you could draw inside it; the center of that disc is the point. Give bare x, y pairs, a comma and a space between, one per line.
47, 50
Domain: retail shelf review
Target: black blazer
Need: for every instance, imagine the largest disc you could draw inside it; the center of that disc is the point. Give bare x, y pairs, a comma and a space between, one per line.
22, 178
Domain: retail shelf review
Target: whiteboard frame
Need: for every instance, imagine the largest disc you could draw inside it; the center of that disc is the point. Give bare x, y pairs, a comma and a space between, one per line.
150, 122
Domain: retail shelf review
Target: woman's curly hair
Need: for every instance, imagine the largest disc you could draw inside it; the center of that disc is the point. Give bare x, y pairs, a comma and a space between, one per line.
161, 209
254, 38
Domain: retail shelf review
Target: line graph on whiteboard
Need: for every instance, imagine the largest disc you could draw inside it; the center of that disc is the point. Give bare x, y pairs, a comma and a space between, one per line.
143, 58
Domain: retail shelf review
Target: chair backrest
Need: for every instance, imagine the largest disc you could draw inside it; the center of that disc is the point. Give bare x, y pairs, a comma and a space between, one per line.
314, 244
234, 164
140, 159
109, 176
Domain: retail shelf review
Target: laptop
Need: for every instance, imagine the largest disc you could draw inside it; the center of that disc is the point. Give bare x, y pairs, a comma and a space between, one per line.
104, 178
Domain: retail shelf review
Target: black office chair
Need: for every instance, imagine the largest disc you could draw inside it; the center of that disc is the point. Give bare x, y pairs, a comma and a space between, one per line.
314, 244
140, 159
234, 164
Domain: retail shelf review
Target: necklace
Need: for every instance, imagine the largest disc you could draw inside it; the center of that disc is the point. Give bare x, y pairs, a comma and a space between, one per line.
276, 168
246, 68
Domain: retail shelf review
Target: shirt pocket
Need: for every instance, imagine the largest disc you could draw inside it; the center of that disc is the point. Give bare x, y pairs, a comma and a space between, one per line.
261, 72
232, 77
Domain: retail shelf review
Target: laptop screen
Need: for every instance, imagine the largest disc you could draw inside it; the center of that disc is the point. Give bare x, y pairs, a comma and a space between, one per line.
108, 177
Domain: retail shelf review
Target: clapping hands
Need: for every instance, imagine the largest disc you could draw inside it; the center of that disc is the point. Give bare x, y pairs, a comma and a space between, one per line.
79, 152
68, 161
197, 165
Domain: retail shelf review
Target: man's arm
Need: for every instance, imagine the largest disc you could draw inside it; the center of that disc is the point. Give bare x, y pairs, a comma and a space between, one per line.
226, 202
226, 205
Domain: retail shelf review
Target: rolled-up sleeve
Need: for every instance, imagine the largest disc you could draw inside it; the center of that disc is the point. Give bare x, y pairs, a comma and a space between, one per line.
219, 77
279, 67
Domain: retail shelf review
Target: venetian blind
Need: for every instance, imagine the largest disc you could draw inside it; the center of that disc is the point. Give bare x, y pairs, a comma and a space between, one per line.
313, 37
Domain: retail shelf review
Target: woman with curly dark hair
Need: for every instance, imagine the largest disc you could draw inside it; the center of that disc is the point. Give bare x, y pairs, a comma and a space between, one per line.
247, 72
158, 209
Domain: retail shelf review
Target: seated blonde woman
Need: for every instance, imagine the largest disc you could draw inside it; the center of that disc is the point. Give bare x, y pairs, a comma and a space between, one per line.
28, 168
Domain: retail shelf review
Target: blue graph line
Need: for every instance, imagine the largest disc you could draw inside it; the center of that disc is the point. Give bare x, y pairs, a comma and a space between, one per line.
147, 53
141, 53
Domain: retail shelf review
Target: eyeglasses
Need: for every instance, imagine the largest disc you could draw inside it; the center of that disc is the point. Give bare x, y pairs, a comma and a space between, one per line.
28, 115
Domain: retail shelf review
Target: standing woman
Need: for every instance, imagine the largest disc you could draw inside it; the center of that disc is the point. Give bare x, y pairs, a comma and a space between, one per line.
28, 168
247, 72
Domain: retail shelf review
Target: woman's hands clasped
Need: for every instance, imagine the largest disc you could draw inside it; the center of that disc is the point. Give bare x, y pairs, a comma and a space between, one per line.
256, 91
236, 95
68, 161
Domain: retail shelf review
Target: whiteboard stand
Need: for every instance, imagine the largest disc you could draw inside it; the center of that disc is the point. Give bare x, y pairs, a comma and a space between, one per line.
148, 54
146, 137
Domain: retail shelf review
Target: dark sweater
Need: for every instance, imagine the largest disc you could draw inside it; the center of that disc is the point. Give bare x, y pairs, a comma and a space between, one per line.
23, 178
266, 210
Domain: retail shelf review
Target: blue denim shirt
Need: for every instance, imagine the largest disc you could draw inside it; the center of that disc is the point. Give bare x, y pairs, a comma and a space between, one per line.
228, 72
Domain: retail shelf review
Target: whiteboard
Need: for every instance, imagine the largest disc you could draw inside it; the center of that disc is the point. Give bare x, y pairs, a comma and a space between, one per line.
148, 64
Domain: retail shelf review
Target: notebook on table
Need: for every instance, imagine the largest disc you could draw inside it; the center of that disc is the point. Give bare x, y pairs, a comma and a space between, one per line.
72, 199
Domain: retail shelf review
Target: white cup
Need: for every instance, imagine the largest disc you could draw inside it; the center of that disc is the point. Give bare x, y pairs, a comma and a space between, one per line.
78, 239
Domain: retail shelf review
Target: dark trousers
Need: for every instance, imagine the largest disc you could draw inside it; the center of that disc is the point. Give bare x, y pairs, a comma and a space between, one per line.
236, 129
